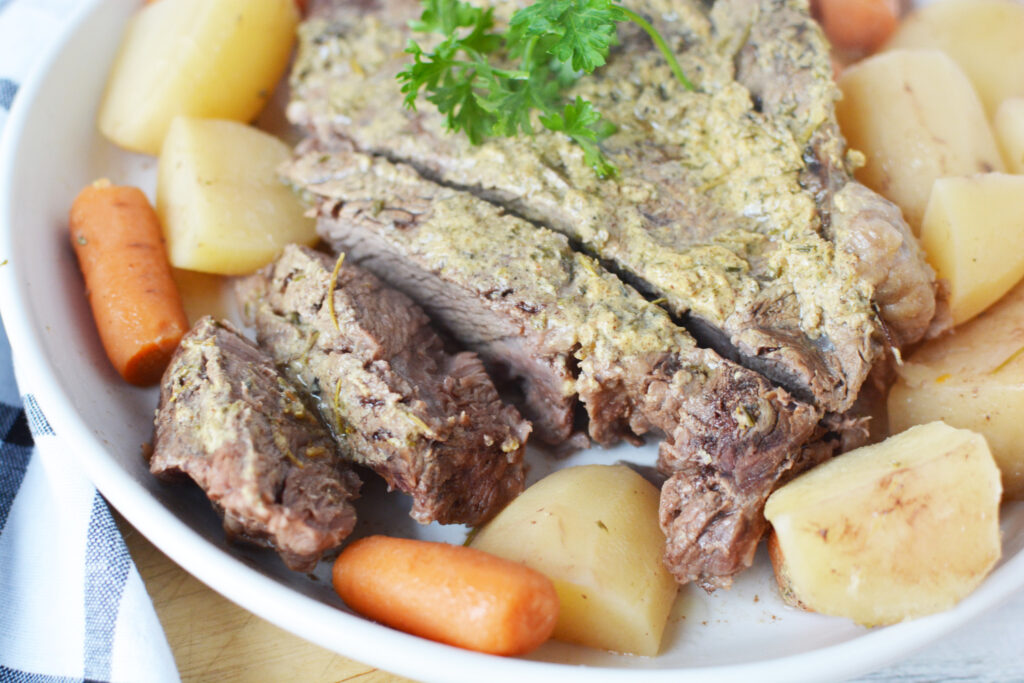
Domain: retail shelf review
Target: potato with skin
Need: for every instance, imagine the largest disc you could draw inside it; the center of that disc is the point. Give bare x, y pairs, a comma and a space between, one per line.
209, 58
973, 234
916, 117
1009, 128
222, 205
892, 531
593, 530
985, 37
972, 379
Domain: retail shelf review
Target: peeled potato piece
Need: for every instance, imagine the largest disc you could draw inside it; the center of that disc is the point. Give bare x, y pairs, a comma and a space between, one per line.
1009, 127
892, 531
973, 234
985, 37
203, 294
916, 117
972, 379
209, 58
593, 530
223, 207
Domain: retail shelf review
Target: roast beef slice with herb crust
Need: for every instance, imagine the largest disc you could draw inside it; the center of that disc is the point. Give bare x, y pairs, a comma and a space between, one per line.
715, 210
784, 63
498, 282
230, 421
430, 423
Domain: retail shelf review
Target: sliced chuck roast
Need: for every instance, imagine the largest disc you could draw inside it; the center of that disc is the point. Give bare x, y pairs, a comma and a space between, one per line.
520, 296
230, 421
430, 423
733, 208
718, 209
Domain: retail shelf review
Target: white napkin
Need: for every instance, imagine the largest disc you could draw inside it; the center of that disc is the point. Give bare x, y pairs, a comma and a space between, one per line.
72, 603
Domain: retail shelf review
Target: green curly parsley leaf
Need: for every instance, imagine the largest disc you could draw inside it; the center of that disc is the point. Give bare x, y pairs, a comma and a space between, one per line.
550, 43
584, 30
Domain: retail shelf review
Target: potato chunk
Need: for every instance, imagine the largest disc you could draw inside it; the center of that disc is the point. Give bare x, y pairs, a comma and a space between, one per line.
915, 116
973, 233
223, 208
892, 531
594, 531
203, 295
209, 58
972, 379
985, 37
1009, 125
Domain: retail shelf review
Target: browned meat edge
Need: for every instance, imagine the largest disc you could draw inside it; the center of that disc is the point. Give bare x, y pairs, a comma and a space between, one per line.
429, 422
232, 423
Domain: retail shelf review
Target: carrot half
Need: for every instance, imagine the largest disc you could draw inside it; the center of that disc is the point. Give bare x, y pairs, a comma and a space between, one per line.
448, 593
120, 247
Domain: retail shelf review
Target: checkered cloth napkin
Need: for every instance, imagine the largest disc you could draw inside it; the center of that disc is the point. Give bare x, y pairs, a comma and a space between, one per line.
72, 604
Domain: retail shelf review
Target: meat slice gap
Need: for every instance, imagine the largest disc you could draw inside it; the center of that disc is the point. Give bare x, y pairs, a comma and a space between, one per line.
719, 207
520, 296
229, 420
430, 423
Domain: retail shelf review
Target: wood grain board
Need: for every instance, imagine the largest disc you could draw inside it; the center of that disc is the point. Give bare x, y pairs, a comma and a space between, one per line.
214, 639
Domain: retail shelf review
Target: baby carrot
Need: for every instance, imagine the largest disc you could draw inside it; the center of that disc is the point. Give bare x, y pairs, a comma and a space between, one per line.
449, 593
120, 248
859, 25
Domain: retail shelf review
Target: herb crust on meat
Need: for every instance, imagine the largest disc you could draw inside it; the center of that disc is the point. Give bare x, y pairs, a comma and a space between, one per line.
561, 321
431, 423
734, 209
230, 421
719, 208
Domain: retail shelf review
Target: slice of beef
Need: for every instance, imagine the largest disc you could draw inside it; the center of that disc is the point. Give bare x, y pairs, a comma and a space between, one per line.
715, 210
230, 421
722, 506
500, 283
431, 423
785, 64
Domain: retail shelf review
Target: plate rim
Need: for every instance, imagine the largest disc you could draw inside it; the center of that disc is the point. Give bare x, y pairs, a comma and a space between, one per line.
330, 627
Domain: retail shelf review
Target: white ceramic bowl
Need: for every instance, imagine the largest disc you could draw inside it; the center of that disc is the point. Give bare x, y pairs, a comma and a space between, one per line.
50, 150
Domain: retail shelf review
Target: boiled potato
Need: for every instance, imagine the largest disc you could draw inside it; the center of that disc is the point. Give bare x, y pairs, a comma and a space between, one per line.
985, 37
972, 379
203, 294
916, 117
209, 58
1009, 125
973, 234
892, 531
223, 208
594, 531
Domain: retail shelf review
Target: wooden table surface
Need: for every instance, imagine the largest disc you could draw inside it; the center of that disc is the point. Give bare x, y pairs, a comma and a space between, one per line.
215, 640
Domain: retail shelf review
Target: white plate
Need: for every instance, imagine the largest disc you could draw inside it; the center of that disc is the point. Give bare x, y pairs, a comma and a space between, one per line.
50, 150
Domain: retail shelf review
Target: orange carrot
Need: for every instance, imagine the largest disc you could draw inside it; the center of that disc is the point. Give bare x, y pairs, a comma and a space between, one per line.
120, 248
449, 593
858, 25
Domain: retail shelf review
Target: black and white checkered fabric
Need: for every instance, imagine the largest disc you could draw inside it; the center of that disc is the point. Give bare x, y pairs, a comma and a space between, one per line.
72, 604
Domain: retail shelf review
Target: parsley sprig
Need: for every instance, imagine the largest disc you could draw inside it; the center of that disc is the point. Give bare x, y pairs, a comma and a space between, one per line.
547, 46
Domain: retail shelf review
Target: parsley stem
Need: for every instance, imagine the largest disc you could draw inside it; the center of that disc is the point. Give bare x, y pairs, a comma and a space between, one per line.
482, 65
527, 59
673, 63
